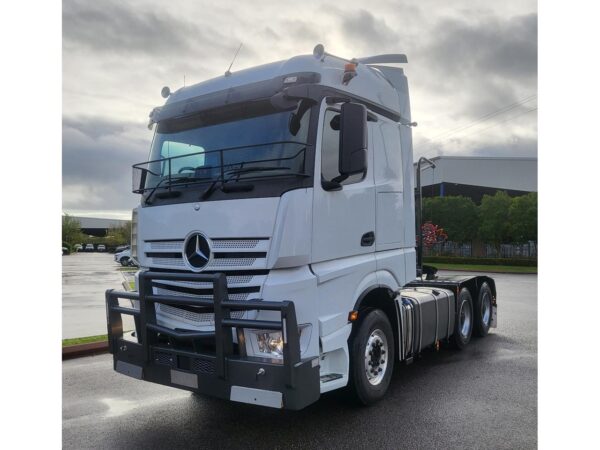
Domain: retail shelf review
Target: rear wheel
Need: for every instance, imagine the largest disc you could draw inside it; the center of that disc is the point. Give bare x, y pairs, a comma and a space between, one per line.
463, 325
371, 357
483, 311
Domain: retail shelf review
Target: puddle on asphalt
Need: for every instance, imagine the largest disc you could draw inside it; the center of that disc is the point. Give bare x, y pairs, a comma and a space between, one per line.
118, 407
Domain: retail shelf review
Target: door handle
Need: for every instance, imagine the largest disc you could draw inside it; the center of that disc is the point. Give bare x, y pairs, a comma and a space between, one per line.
367, 239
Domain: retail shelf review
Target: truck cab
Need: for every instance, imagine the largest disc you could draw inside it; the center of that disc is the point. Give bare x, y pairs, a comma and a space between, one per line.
275, 231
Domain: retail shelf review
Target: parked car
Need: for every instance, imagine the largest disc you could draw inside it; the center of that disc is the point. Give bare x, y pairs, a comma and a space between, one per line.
101, 248
89, 247
120, 248
65, 251
123, 257
78, 247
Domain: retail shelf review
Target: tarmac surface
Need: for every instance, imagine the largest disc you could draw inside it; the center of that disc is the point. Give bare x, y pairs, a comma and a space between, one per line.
85, 278
482, 397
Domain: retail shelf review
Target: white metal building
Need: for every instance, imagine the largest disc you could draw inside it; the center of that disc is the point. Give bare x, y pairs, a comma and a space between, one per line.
475, 176
98, 227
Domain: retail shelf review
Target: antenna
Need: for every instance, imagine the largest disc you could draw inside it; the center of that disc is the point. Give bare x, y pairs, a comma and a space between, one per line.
184, 80
228, 71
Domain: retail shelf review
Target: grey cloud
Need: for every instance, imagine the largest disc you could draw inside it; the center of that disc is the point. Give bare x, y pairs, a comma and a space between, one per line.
300, 32
486, 64
365, 30
506, 48
95, 127
114, 27
100, 162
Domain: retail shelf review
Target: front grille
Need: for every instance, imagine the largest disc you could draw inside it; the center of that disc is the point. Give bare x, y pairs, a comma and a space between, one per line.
167, 254
238, 296
164, 358
235, 243
203, 365
230, 262
243, 260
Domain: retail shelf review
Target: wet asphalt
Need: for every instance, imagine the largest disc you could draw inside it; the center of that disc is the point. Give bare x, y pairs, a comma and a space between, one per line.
85, 278
483, 397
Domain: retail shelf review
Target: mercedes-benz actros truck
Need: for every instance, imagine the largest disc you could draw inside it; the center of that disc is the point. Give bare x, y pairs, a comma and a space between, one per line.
276, 239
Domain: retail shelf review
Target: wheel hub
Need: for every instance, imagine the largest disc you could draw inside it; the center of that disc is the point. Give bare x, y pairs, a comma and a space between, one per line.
376, 357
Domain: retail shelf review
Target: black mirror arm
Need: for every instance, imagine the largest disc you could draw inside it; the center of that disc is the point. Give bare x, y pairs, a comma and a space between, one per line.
330, 185
340, 178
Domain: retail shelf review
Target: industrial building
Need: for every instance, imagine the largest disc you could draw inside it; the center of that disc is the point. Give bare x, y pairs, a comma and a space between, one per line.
475, 176
93, 226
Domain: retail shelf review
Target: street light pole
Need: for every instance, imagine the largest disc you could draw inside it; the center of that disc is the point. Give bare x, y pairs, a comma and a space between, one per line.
419, 211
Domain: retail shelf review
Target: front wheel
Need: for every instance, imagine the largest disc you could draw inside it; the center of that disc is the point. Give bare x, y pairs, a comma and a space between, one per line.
124, 261
371, 357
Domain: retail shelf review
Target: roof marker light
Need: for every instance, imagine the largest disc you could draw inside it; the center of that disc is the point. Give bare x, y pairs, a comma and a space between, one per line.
349, 72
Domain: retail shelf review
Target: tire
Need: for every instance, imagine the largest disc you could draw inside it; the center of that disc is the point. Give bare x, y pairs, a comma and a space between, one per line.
463, 324
483, 311
374, 331
124, 261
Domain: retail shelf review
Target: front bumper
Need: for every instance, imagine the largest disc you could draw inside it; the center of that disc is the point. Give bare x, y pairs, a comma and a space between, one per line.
182, 359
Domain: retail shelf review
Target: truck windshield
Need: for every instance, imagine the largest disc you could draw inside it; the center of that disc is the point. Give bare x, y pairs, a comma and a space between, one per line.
253, 141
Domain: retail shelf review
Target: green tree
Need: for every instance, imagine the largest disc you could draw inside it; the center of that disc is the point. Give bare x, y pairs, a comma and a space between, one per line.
494, 223
71, 230
457, 215
523, 218
121, 235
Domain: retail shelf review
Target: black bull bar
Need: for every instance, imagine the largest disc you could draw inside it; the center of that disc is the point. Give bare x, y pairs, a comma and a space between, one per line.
296, 379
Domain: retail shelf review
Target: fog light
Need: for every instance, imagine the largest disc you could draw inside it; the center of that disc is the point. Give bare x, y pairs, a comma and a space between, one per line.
270, 343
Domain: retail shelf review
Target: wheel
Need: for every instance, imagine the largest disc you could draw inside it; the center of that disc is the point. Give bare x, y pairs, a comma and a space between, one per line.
124, 261
483, 311
371, 357
463, 325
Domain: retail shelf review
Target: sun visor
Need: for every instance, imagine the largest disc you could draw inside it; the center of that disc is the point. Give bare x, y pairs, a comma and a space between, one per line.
255, 91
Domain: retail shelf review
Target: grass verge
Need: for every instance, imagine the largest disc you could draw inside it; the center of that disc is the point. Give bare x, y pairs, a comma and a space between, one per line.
84, 340
483, 268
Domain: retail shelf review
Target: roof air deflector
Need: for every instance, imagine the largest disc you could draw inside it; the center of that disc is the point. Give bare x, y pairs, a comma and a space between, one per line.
389, 58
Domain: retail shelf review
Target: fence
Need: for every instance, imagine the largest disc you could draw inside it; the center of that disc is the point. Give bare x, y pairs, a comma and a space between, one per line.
449, 248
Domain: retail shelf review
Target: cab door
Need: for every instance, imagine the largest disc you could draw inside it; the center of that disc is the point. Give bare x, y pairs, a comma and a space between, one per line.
343, 220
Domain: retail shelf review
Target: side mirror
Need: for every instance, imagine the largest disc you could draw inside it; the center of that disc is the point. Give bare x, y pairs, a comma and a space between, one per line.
353, 139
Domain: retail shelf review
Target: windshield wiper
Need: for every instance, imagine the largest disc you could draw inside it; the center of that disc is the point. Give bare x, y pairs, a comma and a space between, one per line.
255, 169
170, 181
226, 187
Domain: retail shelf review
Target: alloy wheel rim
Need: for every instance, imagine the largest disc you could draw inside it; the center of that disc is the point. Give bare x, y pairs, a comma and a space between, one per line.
376, 357
465, 319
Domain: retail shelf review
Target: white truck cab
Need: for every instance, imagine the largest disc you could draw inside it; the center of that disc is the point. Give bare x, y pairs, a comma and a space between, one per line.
275, 232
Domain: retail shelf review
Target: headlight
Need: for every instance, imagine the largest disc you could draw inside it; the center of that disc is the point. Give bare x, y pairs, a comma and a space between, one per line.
270, 343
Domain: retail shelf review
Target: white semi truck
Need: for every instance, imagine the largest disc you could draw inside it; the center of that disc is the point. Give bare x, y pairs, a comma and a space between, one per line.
276, 239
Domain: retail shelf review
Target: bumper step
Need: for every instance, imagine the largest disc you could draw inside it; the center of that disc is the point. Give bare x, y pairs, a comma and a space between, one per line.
330, 377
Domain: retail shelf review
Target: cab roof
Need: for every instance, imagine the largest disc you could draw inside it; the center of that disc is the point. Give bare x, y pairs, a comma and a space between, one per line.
369, 83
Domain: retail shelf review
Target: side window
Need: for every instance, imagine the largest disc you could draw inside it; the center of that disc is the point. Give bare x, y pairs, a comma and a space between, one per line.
330, 149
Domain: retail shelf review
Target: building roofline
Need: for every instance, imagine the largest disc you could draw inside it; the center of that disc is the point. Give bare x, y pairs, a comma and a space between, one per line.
520, 158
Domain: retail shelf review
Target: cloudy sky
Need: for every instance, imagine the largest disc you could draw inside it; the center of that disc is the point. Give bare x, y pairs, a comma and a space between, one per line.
472, 72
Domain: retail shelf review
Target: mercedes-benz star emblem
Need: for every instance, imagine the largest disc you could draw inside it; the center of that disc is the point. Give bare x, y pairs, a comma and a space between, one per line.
196, 251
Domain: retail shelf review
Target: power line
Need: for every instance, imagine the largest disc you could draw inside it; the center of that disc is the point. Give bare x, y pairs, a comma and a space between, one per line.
485, 117
498, 123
